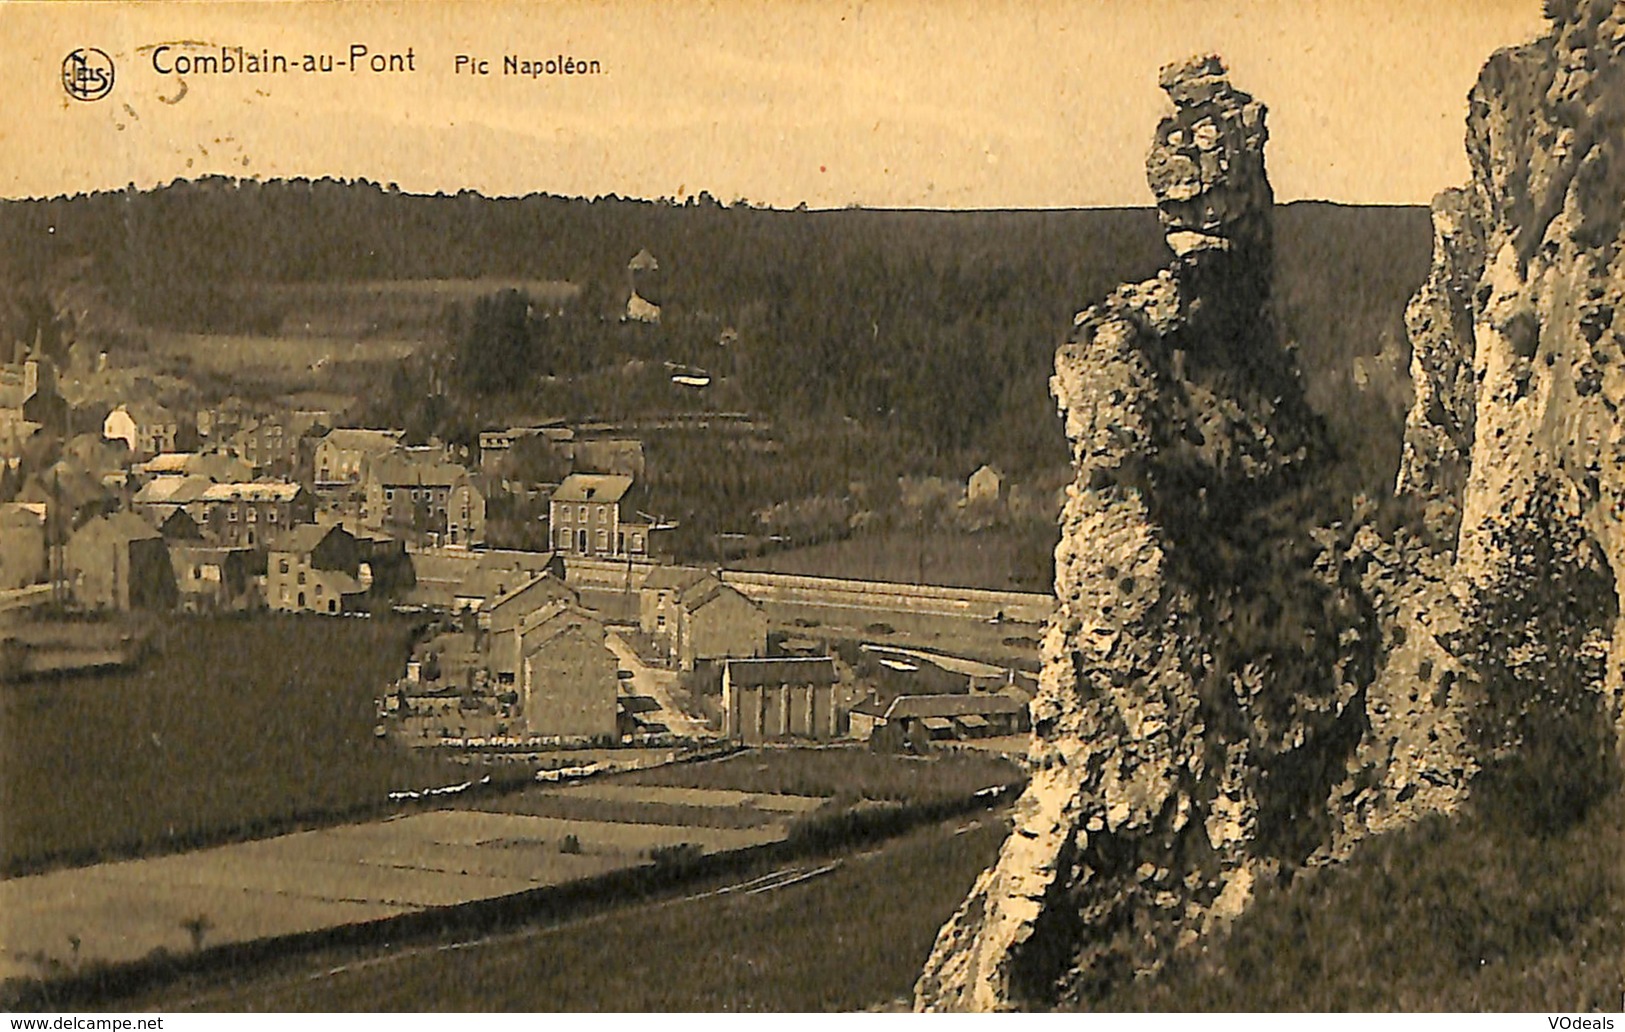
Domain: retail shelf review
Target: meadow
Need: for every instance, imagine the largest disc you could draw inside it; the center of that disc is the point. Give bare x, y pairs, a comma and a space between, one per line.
79, 920
1473, 914
230, 728
845, 772
754, 947
634, 804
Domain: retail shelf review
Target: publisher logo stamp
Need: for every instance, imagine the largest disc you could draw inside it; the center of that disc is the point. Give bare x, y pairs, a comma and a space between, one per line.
87, 74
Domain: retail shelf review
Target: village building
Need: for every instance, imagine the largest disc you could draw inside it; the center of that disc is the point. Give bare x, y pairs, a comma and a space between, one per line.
692, 617
766, 700
161, 498
984, 487
502, 617
497, 445
23, 559
640, 273
864, 717
434, 502
68, 492
343, 454
119, 562
96, 454
657, 601
915, 721
30, 404
210, 579
717, 622
216, 467
180, 526
217, 425
387, 562
459, 579
585, 519
317, 569
278, 444
567, 675
31, 396
146, 428
256, 514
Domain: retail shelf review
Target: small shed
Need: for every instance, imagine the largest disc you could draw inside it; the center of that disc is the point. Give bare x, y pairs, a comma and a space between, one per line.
985, 486
914, 721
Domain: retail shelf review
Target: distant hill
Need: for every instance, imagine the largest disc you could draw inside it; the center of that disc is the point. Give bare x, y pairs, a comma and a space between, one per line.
941, 322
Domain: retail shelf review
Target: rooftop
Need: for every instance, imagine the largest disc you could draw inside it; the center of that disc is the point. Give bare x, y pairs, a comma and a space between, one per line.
307, 536
756, 673
268, 492
978, 703
356, 439
400, 470
120, 526
592, 487
173, 491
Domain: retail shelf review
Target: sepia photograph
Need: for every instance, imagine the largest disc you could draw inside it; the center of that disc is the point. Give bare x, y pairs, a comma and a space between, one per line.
812, 506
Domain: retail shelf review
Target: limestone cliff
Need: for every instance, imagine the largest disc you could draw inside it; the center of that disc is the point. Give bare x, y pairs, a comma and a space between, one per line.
1241, 679
1515, 448
1197, 700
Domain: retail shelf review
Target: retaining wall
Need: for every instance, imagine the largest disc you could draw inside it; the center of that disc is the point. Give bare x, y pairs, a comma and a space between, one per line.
799, 590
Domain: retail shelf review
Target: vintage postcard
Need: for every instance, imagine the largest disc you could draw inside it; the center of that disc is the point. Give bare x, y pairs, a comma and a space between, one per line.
812, 507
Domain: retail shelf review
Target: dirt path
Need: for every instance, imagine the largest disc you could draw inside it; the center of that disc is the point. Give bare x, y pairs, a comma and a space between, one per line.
656, 684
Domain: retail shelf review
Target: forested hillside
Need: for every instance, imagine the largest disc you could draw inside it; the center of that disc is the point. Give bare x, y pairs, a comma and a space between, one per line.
931, 333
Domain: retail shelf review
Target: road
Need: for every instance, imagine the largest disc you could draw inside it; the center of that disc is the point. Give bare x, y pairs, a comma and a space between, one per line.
657, 685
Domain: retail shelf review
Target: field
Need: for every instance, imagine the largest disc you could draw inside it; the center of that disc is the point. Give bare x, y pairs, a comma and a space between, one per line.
838, 935
492, 846
849, 772
310, 880
634, 804
230, 728
413, 309
304, 368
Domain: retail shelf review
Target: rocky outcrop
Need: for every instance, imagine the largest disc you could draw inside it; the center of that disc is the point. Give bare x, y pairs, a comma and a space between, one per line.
1241, 679
1202, 674
1514, 448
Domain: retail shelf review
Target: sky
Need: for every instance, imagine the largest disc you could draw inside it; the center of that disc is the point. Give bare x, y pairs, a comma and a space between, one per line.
902, 103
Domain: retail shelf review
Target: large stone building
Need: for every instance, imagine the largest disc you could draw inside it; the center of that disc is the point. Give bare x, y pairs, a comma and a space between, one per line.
119, 562
717, 622
501, 619
256, 515
146, 428
694, 618
344, 455
567, 675
770, 699
317, 570
432, 502
585, 518
280, 444
658, 611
